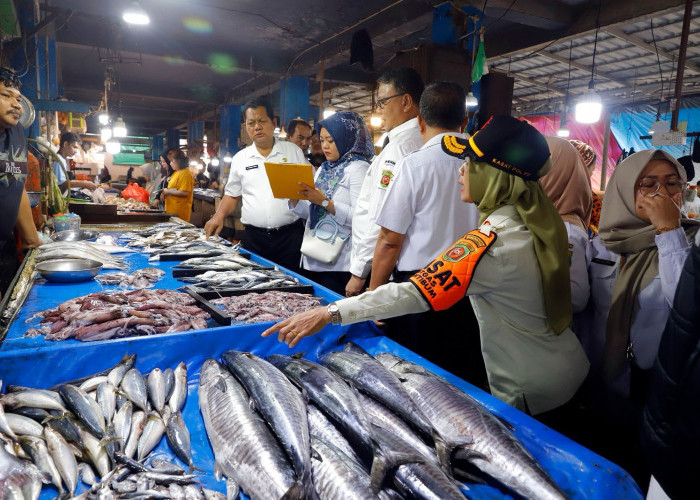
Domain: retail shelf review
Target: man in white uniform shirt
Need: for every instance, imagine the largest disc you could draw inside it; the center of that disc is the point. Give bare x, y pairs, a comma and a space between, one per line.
398, 94
423, 214
271, 230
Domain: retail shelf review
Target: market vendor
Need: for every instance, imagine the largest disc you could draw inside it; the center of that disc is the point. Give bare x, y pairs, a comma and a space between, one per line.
14, 202
70, 147
180, 191
514, 268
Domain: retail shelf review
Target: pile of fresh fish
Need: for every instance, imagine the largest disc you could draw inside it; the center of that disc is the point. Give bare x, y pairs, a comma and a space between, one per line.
128, 204
224, 262
241, 279
355, 426
143, 278
82, 250
102, 316
274, 305
163, 237
104, 425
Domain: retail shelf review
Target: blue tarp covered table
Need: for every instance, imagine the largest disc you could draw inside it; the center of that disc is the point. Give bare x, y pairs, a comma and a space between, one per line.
40, 363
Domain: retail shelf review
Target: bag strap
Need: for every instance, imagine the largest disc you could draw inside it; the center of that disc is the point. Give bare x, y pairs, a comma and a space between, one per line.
326, 221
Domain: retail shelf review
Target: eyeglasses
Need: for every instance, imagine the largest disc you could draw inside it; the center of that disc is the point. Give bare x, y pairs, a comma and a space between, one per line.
650, 185
382, 102
9, 78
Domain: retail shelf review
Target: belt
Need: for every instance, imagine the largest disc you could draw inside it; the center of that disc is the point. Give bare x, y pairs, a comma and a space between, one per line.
272, 230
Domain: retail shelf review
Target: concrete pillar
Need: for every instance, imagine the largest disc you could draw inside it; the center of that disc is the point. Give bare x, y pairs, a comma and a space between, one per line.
172, 139
294, 99
156, 146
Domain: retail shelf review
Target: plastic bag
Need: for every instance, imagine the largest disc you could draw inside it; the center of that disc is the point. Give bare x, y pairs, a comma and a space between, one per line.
135, 192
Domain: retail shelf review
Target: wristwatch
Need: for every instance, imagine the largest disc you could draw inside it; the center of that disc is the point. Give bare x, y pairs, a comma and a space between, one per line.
325, 203
335, 313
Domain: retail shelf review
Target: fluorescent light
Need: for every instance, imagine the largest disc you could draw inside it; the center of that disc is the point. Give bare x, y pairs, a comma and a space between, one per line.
119, 128
328, 112
471, 100
103, 118
113, 146
215, 161
375, 121
282, 134
589, 107
136, 15
105, 133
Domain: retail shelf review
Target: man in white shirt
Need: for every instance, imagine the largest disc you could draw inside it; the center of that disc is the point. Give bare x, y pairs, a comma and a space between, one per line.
299, 133
398, 94
423, 214
271, 230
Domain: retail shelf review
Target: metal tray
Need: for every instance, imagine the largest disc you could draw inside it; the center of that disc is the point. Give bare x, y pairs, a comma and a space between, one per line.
69, 270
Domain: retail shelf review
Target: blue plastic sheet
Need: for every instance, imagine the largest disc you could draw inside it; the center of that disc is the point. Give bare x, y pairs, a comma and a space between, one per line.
580, 472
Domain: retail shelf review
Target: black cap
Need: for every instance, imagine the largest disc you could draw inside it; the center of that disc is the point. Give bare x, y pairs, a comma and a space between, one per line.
507, 143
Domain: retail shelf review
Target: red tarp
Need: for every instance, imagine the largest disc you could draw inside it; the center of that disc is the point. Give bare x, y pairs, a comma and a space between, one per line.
590, 134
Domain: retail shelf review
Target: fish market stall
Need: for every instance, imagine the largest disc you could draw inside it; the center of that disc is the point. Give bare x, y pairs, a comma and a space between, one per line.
578, 472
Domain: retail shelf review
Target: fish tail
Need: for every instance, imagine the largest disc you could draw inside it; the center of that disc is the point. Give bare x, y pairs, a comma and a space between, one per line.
385, 462
296, 492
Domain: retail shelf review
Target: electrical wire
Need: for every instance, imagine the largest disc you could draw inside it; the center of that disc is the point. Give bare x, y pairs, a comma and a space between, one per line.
658, 60
502, 15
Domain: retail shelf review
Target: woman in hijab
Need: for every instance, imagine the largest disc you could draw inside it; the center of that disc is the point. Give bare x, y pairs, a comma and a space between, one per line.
569, 188
589, 158
347, 146
514, 268
634, 276
152, 173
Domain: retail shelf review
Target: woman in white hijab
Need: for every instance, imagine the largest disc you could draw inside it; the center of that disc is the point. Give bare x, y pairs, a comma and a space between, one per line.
152, 172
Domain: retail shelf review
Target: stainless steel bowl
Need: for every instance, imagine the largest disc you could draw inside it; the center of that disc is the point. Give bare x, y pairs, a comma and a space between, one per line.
34, 198
69, 270
75, 235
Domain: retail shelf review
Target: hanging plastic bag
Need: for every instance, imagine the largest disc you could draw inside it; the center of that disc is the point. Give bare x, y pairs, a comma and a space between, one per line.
135, 192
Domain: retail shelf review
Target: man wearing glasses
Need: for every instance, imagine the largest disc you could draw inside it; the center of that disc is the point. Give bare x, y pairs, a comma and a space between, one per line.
271, 229
14, 202
398, 95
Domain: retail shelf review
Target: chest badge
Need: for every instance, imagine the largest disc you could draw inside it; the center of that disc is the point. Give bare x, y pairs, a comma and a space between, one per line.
387, 175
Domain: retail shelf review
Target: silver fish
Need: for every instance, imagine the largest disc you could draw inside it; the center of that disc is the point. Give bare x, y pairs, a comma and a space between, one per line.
135, 388
33, 399
169, 378
63, 458
86, 474
322, 428
23, 426
93, 383
85, 408
241, 439
156, 389
152, 434
280, 403
36, 448
335, 476
179, 438
122, 422
106, 398
96, 452
179, 393
138, 420
4, 425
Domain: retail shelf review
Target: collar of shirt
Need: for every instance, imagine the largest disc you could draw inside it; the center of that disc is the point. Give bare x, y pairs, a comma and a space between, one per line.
405, 126
254, 153
500, 218
438, 138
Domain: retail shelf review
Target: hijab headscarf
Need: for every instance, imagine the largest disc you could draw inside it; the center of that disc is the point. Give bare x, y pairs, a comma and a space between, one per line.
491, 189
624, 233
152, 171
567, 183
354, 142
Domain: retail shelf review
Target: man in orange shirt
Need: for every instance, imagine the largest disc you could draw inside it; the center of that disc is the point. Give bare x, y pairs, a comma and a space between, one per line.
178, 195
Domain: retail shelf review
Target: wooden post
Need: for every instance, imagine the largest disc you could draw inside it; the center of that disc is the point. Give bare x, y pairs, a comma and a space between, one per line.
606, 146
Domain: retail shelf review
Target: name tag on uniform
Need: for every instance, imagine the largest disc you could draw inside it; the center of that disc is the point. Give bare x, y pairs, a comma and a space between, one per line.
13, 167
251, 167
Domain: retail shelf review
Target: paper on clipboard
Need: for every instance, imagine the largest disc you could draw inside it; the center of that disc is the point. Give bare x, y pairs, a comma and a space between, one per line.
284, 178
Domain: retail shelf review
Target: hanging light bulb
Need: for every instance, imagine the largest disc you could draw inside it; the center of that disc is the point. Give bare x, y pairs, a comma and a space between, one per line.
105, 133
375, 121
282, 134
103, 118
136, 15
228, 158
589, 107
113, 146
471, 100
328, 112
119, 128
215, 161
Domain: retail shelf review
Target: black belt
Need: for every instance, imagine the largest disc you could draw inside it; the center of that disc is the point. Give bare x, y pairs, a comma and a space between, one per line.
402, 276
272, 230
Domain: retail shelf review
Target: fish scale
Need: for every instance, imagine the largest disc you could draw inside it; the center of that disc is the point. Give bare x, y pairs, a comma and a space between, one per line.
240, 438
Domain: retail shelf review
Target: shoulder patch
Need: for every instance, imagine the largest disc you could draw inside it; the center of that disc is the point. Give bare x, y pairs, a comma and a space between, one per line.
387, 175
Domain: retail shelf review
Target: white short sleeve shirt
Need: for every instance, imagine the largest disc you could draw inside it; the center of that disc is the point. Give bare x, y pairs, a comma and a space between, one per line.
248, 179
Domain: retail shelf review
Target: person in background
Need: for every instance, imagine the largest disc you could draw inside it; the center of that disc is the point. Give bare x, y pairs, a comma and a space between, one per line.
514, 269
398, 95
179, 193
589, 157
214, 173
670, 434
347, 144
315, 156
105, 176
422, 214
14, 201
70, 147
569, 188
202, 180
271, 230
153, 174
299, 133
130, 175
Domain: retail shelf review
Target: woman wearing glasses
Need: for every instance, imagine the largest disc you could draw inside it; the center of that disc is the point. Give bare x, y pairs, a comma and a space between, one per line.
636, 265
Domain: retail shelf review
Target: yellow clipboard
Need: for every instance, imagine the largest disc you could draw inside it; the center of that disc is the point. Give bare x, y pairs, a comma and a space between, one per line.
283, 178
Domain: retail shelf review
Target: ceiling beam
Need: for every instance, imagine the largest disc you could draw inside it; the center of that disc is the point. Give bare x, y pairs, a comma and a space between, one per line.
587, 69
635, 40
528, 12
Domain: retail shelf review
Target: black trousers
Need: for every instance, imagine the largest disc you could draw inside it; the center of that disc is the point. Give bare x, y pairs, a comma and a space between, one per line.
281, 245
449, 338
334, 280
